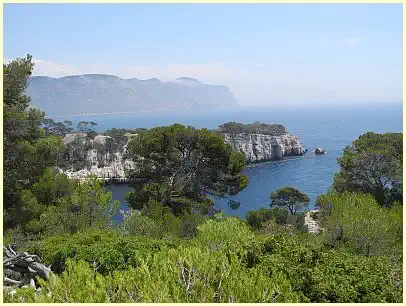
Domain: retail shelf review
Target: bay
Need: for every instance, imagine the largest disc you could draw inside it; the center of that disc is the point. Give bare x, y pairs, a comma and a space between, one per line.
330, 127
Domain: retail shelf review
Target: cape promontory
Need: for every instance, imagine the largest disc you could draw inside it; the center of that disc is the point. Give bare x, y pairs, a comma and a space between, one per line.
99, 93
105, 156
260, 141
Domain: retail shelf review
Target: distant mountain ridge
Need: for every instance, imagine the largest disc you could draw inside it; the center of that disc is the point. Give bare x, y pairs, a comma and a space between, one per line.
102, 93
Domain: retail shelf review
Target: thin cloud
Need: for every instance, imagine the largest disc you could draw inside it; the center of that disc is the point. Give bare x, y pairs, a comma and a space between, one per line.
50, 68
53, 69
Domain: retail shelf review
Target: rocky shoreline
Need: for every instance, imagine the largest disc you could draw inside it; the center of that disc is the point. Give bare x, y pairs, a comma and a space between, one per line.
104, 157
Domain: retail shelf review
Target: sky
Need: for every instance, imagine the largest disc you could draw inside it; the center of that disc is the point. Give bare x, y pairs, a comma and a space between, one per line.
267, 54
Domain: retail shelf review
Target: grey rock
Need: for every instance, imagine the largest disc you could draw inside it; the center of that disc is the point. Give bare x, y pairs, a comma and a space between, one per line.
41, 269
12, 260
10, 273
103, 159
24, 262
12, 282
8, 251
319, 151
312, 225
22, 268
32, 283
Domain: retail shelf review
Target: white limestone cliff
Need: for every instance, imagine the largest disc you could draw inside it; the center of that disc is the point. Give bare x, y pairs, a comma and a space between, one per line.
105, 159
106, 162
260, 147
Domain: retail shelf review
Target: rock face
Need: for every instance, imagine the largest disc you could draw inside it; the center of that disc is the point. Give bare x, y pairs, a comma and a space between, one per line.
99, 93
101, 156
260, 147
312, 225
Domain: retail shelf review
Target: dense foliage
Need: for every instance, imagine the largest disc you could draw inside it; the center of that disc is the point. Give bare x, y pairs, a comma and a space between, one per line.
253, 128
56, 204
57, 128
177, 166
373, 164
289, 197
225, 262
27, 151
121, 136
259, 219
358, 222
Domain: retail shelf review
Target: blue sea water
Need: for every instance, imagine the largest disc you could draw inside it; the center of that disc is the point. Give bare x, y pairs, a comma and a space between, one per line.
331, 128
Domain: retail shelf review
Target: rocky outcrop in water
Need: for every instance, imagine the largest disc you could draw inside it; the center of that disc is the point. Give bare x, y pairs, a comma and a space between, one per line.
319, 151
261, 141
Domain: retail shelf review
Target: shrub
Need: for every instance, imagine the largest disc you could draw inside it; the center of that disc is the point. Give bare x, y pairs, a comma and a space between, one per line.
184, 275
253, 128
322, 275
373, 164
229, 233
357, 221
226, 262
135, 223
108, 250
255, 218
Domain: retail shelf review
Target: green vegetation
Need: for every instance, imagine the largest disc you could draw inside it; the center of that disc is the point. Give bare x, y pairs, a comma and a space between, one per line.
253, 128
226, 262
122, 132
168, 248
86, 127
373, 164
57, 128
27, 150
121, 135
178, 165
262, 218
56, 205
289, 197
358, 222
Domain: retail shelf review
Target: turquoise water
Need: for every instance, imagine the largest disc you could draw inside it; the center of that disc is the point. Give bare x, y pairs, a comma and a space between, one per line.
332, 128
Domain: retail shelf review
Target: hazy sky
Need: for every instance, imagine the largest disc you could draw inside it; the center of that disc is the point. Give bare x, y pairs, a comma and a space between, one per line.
266, 53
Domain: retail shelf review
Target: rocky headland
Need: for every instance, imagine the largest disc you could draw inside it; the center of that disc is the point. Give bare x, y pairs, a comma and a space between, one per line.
105, 156
261, 142
259, 147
